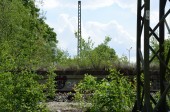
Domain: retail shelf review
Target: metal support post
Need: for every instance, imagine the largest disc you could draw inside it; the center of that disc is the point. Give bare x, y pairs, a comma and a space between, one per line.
138, 64
79, 29
147, 103
162, 4
144, 100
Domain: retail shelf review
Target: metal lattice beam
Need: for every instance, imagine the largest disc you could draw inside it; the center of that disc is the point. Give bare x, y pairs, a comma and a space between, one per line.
79, 29
144, 99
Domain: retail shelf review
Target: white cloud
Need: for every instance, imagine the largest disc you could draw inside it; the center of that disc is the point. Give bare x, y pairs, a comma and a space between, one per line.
121, 39
65, 26
128, 4
48, 4
113, 29
89, 4
67, 21
94, 4
51, 3
154, 17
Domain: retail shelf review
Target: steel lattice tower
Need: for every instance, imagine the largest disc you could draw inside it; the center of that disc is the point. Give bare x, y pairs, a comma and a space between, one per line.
79, 29
144, 101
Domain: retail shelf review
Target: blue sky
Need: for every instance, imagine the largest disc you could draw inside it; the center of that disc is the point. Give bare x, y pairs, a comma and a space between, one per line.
100, 18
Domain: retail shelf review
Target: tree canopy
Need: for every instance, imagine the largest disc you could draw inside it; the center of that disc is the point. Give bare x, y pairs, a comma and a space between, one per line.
25, 37
27, 44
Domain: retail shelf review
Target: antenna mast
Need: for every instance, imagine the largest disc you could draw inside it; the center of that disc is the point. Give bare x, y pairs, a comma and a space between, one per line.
79, 29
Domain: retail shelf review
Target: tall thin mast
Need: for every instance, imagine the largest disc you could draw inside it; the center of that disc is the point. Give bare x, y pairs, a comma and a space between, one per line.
79, 29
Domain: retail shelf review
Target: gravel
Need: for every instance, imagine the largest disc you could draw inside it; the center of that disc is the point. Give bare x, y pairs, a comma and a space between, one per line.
64, 107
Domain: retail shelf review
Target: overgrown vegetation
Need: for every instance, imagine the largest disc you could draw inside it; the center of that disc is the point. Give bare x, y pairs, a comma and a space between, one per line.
27, 44
98, 58
20, 92
115, 93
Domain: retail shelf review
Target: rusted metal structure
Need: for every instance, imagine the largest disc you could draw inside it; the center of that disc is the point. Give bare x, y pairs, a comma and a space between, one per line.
144, 101
79, 29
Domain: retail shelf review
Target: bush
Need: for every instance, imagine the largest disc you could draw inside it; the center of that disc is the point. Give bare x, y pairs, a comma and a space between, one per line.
115, 93
20, 92
50, 85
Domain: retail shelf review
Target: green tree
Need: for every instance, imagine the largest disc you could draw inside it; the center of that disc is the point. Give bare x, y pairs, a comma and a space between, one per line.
100, 57
26, 35
27, 43
103, 56
123, 59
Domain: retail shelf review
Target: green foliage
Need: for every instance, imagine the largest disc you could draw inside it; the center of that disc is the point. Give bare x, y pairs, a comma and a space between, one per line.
157, 97
25, 37
100, 57
113, 94
50, 85
27, 44
155, 46
155, 63
87, 85
20, 92
103, 55
61, 56
123, 59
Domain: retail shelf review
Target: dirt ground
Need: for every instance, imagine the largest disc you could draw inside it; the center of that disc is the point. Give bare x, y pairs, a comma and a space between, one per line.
64, 107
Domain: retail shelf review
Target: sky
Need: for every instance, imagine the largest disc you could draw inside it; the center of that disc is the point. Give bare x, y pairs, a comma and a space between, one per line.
100, 18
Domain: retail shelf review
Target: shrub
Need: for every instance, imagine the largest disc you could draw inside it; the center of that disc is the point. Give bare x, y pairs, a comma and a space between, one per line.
114, 93
50, 85
20, 92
